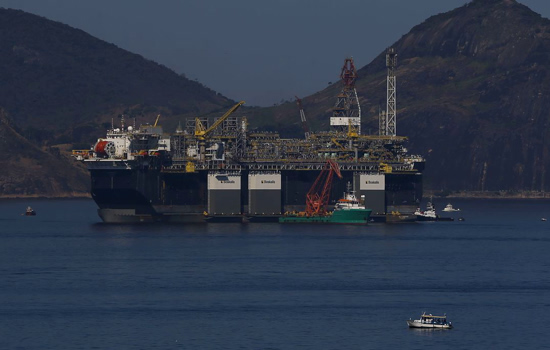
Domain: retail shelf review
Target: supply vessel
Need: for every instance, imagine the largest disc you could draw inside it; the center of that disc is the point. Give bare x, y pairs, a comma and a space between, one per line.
220, 170
347, 211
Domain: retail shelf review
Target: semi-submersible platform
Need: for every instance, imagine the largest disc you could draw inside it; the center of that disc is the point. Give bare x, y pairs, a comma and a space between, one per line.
219, 170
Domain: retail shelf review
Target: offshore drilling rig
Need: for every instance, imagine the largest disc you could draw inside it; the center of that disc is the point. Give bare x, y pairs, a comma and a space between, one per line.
219, 170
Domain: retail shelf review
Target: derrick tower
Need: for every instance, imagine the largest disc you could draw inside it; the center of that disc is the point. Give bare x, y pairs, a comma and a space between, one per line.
391, 109
346, 114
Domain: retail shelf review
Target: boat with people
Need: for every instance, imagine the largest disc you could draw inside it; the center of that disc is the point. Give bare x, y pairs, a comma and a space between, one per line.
430, 321
449, 207
30, 211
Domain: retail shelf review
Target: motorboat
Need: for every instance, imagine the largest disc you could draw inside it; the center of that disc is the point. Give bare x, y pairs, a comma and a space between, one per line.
426, 215
449, 207
429, 214
30, 212
430, 321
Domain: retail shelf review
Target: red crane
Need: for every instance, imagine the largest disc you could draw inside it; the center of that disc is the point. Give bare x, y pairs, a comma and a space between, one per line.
319, 194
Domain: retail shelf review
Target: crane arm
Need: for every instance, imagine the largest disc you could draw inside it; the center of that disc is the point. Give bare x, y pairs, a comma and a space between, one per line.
338, 144
318, 196
201, 132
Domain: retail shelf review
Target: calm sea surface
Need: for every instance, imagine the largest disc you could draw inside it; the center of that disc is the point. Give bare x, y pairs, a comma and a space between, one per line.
70, 282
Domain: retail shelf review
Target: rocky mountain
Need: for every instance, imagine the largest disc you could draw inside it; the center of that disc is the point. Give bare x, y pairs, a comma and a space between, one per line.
29, 170
473, 95
61, 84
61, 88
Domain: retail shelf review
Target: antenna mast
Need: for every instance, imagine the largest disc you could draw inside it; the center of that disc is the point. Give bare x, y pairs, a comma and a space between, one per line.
391, 111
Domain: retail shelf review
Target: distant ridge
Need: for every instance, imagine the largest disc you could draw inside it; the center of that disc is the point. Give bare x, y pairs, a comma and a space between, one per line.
62, 87
52, 74
473, 96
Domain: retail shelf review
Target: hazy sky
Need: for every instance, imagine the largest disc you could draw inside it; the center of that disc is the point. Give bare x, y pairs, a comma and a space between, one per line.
253, 50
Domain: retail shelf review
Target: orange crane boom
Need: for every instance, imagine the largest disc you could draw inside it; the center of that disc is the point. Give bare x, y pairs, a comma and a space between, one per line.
319, 194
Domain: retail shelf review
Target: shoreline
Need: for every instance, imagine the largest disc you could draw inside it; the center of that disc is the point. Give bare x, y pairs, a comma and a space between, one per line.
488, 194
72, 195
427, 194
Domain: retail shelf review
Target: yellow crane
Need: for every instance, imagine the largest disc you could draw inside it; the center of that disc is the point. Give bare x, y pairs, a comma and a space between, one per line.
338, 144
385, 168
352, 130
201, 132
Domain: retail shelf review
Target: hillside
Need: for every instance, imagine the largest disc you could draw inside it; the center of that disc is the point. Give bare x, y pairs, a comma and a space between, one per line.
473, 97
28, 170
60, 84
61, 88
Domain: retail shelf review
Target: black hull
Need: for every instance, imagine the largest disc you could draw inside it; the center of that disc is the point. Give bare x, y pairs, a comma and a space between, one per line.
423, 218
145, 195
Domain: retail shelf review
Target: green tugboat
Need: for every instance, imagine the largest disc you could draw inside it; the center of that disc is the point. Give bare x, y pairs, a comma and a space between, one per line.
347, 211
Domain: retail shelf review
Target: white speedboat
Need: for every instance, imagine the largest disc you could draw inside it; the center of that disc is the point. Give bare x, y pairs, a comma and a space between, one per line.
430, 321
449, 207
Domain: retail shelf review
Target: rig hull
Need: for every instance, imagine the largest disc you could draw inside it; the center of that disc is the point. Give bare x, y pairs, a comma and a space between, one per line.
153, 195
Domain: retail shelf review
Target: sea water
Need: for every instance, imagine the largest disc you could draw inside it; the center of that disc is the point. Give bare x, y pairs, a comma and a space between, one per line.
71, 282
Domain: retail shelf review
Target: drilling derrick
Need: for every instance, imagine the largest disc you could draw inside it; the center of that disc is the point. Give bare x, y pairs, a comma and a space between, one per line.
347, 111
391, 110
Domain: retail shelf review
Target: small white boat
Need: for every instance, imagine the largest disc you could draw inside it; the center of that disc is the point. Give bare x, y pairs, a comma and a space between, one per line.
30, 212
430, 321
449, 207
